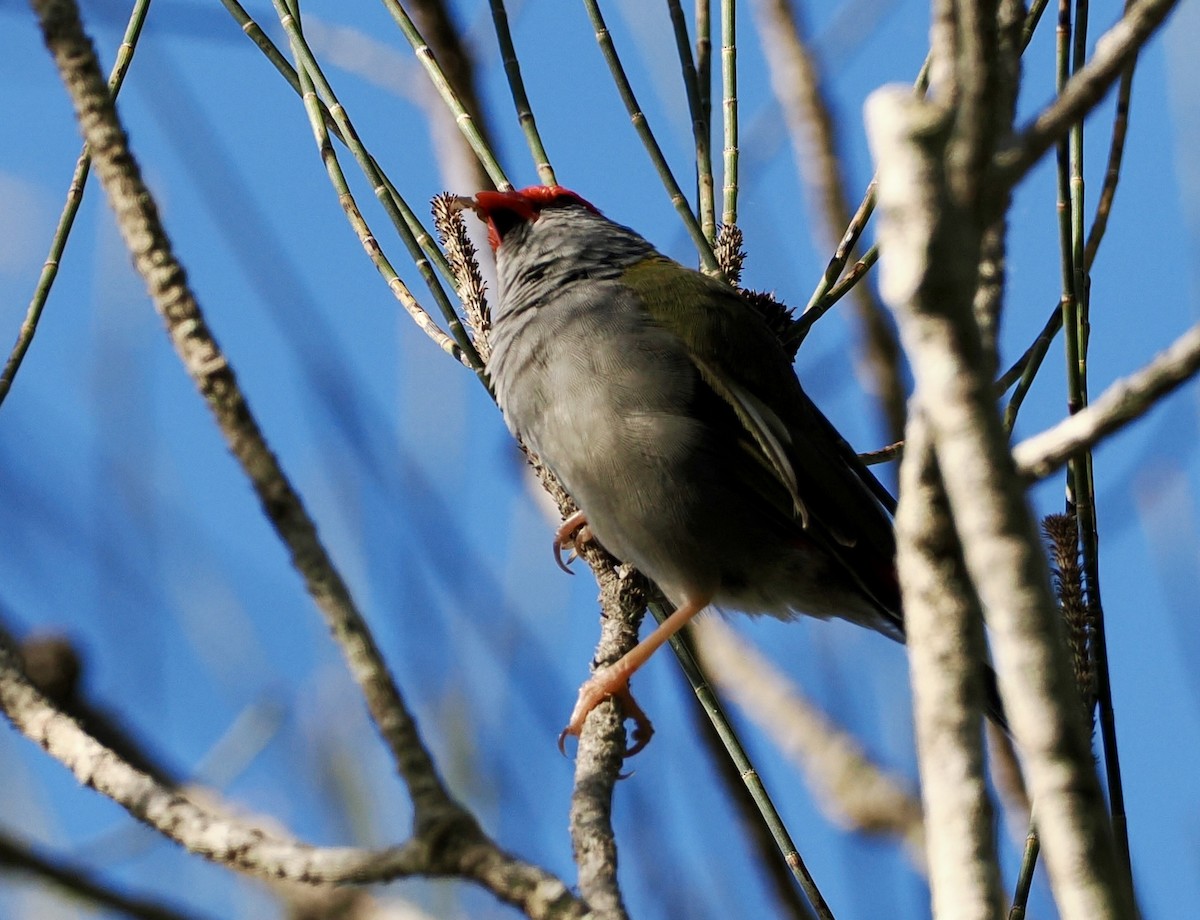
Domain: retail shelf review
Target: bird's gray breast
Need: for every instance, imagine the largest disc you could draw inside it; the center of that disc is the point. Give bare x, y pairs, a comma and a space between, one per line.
601, 393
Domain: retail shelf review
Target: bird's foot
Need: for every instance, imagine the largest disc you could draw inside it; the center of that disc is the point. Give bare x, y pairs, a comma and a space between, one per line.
571, 535
609, 682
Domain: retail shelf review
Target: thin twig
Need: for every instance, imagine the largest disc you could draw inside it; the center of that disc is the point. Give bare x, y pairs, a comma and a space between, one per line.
700, 131
841, 255
1123, 401
832, 295
1112, 171
516, 85
706, 187
883, 454
792, 904
203, 359
1114, 51
737, 754
1031, 21
1025, 368
729, 108
1080, 472
450, 96
457, 344
604, 39
1029, 858
850, 788
66, 219
255, 33
453, 151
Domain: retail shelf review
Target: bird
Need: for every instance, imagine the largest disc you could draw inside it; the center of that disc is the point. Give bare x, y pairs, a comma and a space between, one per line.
670, 410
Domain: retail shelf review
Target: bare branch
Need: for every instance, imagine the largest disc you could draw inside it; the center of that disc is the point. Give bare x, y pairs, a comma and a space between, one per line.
1124, 401
944, 628
138, 221
453, 847
930, 270
601, 749
439, 820
1114, 51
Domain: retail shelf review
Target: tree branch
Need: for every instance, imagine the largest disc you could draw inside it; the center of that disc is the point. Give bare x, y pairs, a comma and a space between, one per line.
450, 848
944, 628
1114, 51
447, 839
202, 357
1124, 401
601, 749
930, 270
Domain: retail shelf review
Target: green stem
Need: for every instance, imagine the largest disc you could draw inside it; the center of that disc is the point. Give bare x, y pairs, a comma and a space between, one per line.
625, 89
700, 138
66, 220
1025, 369
733, 745
704, 169
460, 346
1032, 18
730, 107
255, 33
1025, 875
1085, 489
825, 302
466, 124
512, 70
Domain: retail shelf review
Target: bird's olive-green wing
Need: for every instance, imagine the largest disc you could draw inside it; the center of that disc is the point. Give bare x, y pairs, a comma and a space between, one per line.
743, 362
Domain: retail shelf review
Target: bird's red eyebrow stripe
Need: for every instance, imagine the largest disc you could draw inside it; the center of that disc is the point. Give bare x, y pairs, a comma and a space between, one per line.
514, 201
526, 203
548, 194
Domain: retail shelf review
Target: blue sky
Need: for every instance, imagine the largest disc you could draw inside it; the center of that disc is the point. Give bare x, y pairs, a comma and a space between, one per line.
127, 525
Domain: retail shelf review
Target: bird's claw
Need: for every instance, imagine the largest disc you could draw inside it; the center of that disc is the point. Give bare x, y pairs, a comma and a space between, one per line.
571, 534
599, 687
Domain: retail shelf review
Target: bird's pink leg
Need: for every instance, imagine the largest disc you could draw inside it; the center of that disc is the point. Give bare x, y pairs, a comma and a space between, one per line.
571, 534
613, 680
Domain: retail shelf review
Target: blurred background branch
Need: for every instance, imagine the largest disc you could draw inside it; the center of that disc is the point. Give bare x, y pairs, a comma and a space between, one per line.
122, 502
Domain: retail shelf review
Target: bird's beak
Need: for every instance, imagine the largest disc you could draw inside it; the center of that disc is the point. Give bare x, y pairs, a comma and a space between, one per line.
501, 211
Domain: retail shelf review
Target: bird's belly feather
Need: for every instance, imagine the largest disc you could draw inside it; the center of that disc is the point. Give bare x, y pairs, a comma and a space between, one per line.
610, 410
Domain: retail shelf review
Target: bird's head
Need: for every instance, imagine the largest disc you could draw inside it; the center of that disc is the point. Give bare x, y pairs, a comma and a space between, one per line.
505, 211
548, 237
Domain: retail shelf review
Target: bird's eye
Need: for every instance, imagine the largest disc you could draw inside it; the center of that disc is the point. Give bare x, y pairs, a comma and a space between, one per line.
504, 220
